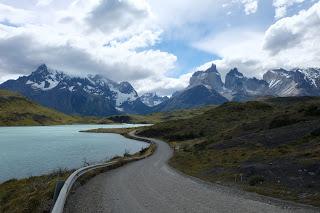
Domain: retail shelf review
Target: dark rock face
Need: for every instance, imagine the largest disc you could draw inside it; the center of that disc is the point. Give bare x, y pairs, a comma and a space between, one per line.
235, 80
244, 88
90, 96
193, 97
210, 78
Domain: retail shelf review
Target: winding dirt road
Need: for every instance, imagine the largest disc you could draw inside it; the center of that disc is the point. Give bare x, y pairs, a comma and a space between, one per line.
150, 185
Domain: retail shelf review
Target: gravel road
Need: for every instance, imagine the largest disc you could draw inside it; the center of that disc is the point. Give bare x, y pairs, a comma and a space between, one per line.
150, 185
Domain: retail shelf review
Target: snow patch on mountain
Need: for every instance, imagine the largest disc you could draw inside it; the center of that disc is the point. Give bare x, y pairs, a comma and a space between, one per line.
295, 82
91, 90
152, 99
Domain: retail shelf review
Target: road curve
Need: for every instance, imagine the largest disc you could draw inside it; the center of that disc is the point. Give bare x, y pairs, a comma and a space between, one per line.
150, 185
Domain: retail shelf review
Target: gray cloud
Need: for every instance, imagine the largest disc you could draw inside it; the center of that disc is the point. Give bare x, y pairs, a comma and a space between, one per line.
295, 31
111, 15
75, 61
280, 39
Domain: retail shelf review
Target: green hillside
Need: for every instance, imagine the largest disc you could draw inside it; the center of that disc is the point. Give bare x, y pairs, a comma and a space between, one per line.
271, 147
16, 110
160, 116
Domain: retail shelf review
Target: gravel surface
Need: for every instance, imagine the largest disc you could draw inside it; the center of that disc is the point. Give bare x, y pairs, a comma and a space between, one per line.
150, 185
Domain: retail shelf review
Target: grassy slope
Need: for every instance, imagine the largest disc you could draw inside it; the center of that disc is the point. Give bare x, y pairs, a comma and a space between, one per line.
272, 146
32, 194
160, 116
17, 110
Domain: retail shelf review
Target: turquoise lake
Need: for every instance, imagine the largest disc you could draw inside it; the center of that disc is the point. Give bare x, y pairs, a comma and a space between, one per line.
32, 151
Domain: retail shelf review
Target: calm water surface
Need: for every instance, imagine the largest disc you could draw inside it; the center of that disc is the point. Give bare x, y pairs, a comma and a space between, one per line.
31, 151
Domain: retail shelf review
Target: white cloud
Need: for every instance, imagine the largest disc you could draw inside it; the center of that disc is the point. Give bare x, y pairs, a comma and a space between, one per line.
64, 41
232, 43
116, 38
110, 37
296, 39
290, 42
111, 15
250, 6
163, 85
240, 48
14, 15
281, 6
44, 2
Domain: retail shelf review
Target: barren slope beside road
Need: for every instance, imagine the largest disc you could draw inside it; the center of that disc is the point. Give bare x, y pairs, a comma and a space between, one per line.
150, 185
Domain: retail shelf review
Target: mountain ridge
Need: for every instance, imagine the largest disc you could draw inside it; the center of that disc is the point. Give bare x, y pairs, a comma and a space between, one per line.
95, 95
89, 96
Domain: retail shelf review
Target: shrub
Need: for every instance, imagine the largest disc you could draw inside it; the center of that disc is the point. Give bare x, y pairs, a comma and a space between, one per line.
143, 150
316, 132
282, 121
312, 110
127, 153
256, 179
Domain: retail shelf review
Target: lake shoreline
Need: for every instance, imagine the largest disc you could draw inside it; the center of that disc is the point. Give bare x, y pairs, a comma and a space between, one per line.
34, 151
35, 193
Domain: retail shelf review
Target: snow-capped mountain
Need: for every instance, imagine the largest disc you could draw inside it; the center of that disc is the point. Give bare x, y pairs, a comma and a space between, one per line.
295, 82
237, 87
91, 95
277, 82
205, 87
152, 99
98, 96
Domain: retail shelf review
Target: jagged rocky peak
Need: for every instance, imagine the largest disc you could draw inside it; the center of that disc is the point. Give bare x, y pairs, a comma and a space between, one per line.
276, 73
234, 79
126, 87
213, 68
44, 78
294, 82
235, 72
244, 88
41, 72
210, 78
100, 80
91, 95
42, 69
152, 99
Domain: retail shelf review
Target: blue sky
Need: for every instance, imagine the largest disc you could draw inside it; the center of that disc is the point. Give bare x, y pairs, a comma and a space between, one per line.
157, 45
190, 57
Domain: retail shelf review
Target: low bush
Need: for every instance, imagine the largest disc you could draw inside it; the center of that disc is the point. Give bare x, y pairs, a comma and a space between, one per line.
256, 179
312, 110
282, 121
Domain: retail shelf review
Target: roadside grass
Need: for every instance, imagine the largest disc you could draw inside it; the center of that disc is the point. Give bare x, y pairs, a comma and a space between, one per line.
30, 195
271, 147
